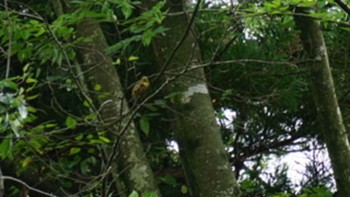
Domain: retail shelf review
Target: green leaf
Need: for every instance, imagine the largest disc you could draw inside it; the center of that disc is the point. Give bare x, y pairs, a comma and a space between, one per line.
79, 137
9, 84
117, 62
122, 44
104, 139
74, 150
345, 28
90, 136
40, 32
90, 117
70, 122
97, 87
317, 192
126, 7
50, 125
36, 145
31, 80
31, 109
184, 189
170, 180
95, 141
150, 194
25, 68
133, 58
32, 97
34, 22
26, 161
25, 34
147, 37
87, 103
5, 148
144, 125
134, 194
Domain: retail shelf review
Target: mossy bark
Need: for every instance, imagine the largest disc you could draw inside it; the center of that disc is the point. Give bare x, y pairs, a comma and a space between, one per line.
112, 106
201, 148
329, 115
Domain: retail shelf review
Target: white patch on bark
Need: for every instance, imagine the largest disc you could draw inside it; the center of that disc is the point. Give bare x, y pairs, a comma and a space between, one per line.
338, 111
318, 58
347, 144
196, 89
322, 51
341, 123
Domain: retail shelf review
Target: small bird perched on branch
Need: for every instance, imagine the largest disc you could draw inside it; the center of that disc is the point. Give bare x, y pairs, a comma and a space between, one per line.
140, 88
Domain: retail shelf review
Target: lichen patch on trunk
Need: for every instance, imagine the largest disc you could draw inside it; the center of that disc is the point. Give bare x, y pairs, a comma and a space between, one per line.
196, 89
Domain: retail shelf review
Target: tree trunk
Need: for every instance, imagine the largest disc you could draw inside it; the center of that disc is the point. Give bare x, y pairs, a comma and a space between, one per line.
99, 71
130, 168
202, 151
330, 118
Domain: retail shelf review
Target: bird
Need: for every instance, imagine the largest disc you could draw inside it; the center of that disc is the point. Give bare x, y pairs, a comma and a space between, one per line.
140, 88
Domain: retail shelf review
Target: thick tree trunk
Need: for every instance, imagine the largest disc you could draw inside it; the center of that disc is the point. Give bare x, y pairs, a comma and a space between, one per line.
130, 168
201, 148
115, 115
330, 118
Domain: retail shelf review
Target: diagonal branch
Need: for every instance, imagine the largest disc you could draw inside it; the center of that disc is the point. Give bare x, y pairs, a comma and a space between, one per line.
343, 5
26, 185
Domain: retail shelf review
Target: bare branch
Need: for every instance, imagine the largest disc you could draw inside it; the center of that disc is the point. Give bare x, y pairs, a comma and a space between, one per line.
26, 185
343, 5
9, 31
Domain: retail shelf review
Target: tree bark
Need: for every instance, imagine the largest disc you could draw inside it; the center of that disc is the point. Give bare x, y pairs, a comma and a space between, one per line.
330, 117
201, 148
115, 115
129, 164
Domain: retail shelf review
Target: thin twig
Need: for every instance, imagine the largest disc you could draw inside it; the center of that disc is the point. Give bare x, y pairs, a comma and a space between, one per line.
26, 185
9, 50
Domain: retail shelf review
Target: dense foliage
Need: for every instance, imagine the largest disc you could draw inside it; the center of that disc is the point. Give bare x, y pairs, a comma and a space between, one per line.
255, 68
